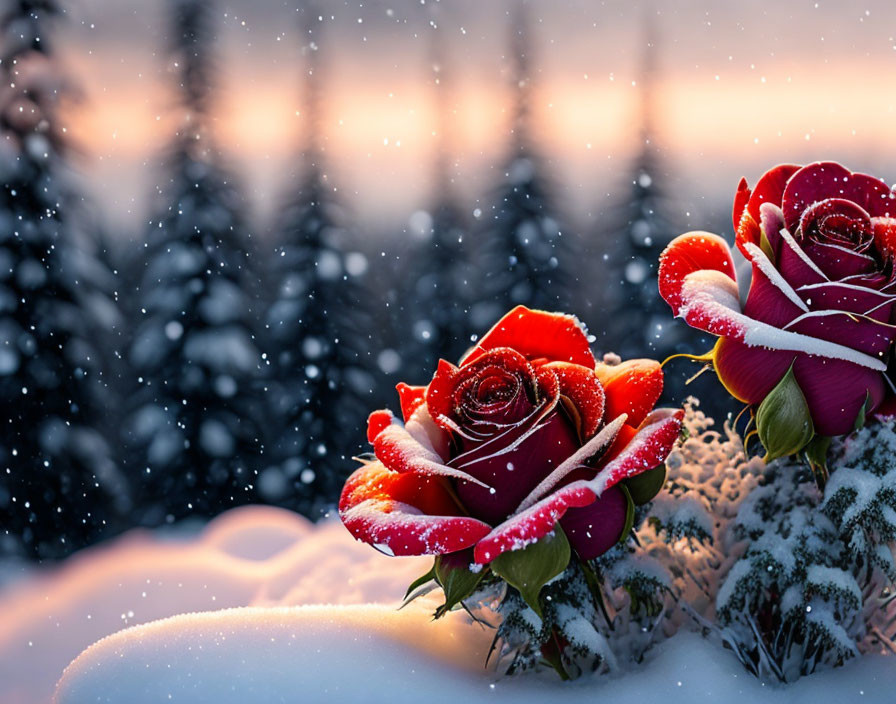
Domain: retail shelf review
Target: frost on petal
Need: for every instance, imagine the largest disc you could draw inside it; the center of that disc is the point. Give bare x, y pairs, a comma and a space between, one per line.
710, 303
689, 253
580, 459
401, 452
649, 448
405, 514
532, 524
537, 334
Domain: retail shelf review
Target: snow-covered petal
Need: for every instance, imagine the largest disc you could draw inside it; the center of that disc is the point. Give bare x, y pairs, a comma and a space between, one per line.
401, 452
598, 443
405, 514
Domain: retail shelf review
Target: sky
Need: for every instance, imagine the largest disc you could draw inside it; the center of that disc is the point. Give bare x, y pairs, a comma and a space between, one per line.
739, 87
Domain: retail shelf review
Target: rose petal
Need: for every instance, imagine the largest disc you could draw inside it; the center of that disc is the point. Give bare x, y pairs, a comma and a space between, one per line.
823, 180
581, 386
401, 452
576, 461
771, 219
709, 302
795, 265
594, 529
405, 513
632, 388
693, 251
649, 448
860, 297
770, 299
835, 392
410, 398
741, 198
427, 432
769, 189
514, 466
657, 435
838, 262
377, 422
532, 524
864, 334
749, 373
884, 229
537, 334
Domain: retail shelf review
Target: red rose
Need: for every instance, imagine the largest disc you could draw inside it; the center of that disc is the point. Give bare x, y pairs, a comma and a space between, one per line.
819, 313
526, 432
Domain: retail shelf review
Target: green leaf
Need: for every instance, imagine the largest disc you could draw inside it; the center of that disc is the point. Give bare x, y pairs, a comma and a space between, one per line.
529, 569
420, 581
783, 420
860, 419
629, 514
457, 581
643, 487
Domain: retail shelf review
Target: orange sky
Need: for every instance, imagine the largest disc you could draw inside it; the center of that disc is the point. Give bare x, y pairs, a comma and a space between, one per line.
724, 109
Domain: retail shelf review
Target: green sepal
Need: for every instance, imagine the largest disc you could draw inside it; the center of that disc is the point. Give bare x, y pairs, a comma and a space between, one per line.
863, 411
420, 581
643, 487
783, 420
629, 514
529, 569
817, 457
457, 581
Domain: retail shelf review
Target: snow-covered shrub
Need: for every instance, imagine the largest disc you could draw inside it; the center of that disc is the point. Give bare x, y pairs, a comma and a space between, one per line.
788, 577
600, 615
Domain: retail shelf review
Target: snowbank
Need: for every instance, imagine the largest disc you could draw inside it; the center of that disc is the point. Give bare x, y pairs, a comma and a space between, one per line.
256, 556
374, 654
318, 623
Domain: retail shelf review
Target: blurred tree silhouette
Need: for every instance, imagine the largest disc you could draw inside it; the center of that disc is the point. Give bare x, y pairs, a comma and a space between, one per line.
192, 435
59, 486
434, 304
524, 256
318, 329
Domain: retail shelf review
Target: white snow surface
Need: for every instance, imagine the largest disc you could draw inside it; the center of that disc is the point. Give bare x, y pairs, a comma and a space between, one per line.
262, 606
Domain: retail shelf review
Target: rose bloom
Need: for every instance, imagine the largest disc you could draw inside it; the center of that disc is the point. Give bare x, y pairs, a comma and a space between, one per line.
821, 297
527, 431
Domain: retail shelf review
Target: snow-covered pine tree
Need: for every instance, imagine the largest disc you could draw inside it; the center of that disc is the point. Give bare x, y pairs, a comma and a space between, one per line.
523, 256
433, 309
789, 578
318, 329
59, 486
193, 431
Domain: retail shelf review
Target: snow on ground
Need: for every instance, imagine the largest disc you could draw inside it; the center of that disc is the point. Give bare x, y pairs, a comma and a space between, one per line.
319, 623
373, 654
255, 556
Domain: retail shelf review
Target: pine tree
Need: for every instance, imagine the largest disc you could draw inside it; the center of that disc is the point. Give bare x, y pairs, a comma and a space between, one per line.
193, 435
317, 329
435, 312
632, 236
524, 257
59, 487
